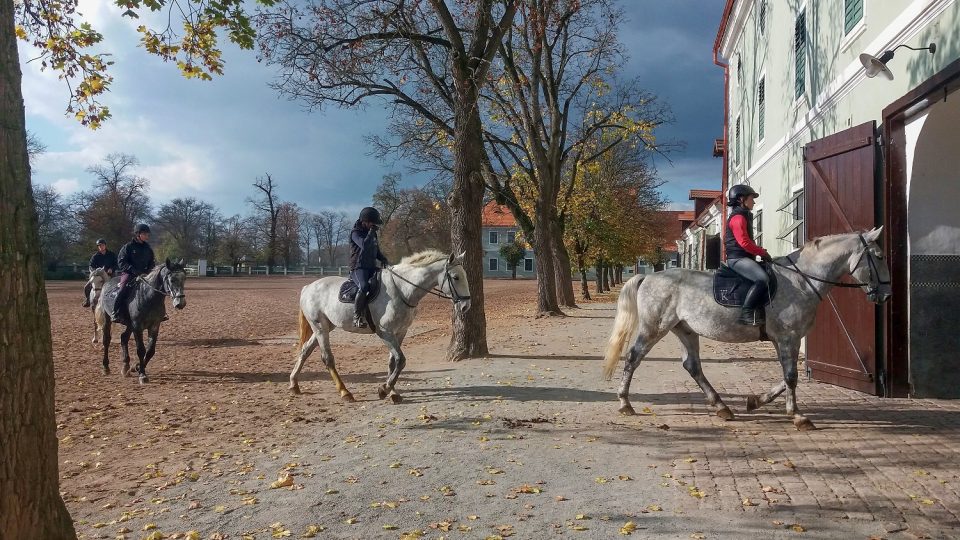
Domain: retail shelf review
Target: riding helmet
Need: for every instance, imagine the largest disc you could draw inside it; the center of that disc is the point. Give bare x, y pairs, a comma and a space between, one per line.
101, 241
371, 214
141, 228
738, 191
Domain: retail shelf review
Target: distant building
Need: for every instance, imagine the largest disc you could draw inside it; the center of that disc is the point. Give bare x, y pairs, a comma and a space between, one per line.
700, 242
498, 229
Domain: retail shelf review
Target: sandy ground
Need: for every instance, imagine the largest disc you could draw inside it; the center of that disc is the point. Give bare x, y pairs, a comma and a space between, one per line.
524, 444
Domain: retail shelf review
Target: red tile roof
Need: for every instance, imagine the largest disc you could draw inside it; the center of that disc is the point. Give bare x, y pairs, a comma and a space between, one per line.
686, 216
497, 215
704, 194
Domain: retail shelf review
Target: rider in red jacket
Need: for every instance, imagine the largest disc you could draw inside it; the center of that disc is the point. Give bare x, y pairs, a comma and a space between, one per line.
742, 252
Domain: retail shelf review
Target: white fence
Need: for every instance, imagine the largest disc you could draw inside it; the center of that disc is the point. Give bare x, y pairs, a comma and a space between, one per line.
254, 270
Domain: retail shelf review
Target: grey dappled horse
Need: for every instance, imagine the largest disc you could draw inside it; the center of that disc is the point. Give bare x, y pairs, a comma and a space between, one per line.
146, 311
98, 277
681, 301
401, 289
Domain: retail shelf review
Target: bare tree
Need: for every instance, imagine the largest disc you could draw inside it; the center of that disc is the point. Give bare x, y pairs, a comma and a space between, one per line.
289, 216
117, 202
432, 57
35, 146
188, 227
266, 205
235, 233
56, 227
331, 230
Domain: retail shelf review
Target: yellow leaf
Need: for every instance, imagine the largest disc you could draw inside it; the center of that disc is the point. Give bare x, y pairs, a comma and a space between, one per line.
281, 533
797, 527
192, 535
926, 501
624, 477
220, 508
149, 526
21, 33
690, 460
655, 508
411, 535
579, 528
748, 502
350, 521
600, 480
312, 531
285, 480
582, 516
395, 465
155, 535
389, 527
473, 518
331, 492
628, 528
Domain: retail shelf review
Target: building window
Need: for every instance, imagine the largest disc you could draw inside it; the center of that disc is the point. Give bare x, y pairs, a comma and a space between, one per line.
511, 237
852, 14
758, 228
796, 232
494, 265
739, 69
761, 103
736, 139
800, 53
762, 18
528, 265
494, 237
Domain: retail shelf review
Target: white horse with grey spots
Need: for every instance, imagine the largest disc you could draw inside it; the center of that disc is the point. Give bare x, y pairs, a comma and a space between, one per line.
402, 288
681, 301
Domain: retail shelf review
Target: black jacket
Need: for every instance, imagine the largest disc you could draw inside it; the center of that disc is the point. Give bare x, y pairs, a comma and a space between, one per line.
136, 258
734, 250
364, 248
107, 261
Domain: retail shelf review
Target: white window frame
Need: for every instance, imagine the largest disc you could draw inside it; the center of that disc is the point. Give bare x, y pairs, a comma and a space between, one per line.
493, 264
797, 100
493, 238
857, 30
796, 232
758, 225
513, 235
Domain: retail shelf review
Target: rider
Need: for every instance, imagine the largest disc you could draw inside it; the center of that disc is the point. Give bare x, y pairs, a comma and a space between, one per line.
136, 258
365, 252
103, 258
742, 252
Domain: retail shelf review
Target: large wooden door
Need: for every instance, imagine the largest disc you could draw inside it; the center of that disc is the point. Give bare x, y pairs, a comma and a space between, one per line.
839, 187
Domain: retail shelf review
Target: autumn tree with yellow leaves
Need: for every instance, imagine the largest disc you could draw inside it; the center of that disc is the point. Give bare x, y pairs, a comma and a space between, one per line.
30, 502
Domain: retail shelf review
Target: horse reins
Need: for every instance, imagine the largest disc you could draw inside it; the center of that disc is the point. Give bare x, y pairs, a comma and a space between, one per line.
172, 296
454, 295
855, 285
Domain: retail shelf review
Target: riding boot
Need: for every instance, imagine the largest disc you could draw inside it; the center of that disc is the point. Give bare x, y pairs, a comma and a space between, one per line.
86, 294
119, 306
360, 309
752, 312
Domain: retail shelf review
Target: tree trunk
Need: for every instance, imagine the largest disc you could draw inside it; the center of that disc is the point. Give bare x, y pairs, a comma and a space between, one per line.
469, 337
513, 270
599, 268
584, 283
561, 261
30, 503
606, 276
543, 252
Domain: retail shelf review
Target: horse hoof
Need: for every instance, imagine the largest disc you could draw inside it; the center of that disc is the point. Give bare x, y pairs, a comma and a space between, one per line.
753, 403
106, 370
348, 397
295, 388
125, 370
627, 410
144, 379
382, 392
803, 423
396, 399
725, 413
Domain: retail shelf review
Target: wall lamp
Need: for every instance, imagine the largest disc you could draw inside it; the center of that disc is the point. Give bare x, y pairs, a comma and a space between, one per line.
877, 66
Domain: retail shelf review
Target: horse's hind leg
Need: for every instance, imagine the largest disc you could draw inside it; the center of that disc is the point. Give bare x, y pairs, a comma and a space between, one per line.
644, 342
105, 339
397, 362
756, 401
141, 356
324, 338
788, 353
308, 347
125, 350
691, 363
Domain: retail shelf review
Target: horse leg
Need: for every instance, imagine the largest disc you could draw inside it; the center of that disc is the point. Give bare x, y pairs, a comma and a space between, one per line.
305, 351
152, 334
755, 401
691, 363
327, 355
141, 356
645, 341
397, 362
125, 350
788, 353
105, 339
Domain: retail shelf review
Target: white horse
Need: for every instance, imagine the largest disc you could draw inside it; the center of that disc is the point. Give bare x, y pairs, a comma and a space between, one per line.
681, 301
98, 276
393, 310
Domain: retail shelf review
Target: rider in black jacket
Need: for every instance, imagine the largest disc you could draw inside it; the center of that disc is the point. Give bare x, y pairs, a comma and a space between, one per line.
136, 258
364, 254
103, 258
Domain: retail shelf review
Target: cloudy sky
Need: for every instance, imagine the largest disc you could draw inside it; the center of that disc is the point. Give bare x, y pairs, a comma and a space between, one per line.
212, 139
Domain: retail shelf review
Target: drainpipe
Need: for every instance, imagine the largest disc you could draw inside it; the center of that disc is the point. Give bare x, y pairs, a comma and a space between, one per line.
724, 183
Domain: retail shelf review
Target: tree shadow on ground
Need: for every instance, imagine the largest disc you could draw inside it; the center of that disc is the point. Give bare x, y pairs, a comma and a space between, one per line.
544, 357
249, 377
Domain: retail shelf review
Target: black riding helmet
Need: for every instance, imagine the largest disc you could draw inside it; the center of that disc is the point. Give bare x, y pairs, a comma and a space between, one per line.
141, 228
738, 191
101, 241
371, 214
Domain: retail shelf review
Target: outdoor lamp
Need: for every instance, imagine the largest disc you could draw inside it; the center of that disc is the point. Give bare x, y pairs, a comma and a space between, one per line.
875, 66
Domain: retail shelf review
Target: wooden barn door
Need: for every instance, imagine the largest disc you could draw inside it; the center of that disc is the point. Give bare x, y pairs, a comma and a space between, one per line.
839, 181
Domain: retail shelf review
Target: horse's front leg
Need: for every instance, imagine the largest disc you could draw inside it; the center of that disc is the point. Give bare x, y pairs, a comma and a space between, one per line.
397, 362
125, 350
105, 339
141, 356
691, 363
152, 334
755, 401
788, 353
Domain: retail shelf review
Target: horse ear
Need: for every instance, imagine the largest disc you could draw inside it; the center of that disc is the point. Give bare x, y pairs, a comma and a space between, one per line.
461, 256
168, 264
452, 259
180, 262
871, 236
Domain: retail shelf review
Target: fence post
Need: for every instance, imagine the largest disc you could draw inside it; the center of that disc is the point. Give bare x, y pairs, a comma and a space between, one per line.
249, 270
284, 270
304, 270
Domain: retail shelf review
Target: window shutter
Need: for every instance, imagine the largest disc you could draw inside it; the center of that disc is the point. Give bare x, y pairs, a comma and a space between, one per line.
762, 17
852, 13
736, 151
800, 52
761, 98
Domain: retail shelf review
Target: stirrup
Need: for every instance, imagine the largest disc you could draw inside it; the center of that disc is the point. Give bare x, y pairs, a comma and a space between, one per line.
751, 317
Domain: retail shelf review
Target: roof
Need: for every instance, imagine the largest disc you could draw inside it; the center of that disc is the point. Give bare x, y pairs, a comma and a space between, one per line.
724, 19
686, 216
704, 194
497, 215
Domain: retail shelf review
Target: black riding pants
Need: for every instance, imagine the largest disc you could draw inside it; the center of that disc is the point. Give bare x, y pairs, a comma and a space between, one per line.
361, 276
750, 269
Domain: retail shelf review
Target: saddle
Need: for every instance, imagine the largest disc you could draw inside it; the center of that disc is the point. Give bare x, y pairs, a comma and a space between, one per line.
729, 288
348, 291
109, 292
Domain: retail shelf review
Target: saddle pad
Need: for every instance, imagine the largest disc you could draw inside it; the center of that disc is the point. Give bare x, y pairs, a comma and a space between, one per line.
108, 295
729, 289
348, 291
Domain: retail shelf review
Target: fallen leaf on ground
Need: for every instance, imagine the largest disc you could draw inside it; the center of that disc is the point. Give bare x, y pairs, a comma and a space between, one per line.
628, 528
797, 527
285, 480
748, 502
312, 531
389, 527
624, 477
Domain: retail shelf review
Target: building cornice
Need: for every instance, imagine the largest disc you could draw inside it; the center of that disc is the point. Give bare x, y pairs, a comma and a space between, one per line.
734, 27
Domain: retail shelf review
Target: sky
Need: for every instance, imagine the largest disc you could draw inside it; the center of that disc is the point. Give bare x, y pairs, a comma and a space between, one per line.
211, 140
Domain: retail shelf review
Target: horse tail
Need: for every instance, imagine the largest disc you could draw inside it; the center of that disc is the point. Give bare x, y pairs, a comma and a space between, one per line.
624, 325
306, 331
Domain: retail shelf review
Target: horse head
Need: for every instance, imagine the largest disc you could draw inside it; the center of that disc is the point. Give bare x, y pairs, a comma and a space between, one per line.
454, 282
174, 277
867, 266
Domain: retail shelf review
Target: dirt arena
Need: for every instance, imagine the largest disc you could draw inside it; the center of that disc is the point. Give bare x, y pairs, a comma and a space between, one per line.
218, 381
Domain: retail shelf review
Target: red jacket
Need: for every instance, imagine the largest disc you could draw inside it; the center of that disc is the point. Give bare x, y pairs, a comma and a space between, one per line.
738, 224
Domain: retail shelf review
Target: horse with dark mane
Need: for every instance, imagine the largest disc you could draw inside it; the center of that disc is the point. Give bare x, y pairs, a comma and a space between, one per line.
146, 309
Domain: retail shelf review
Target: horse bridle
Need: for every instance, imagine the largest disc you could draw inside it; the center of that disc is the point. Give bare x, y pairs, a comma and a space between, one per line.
455, 296
165, 284
872, 287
